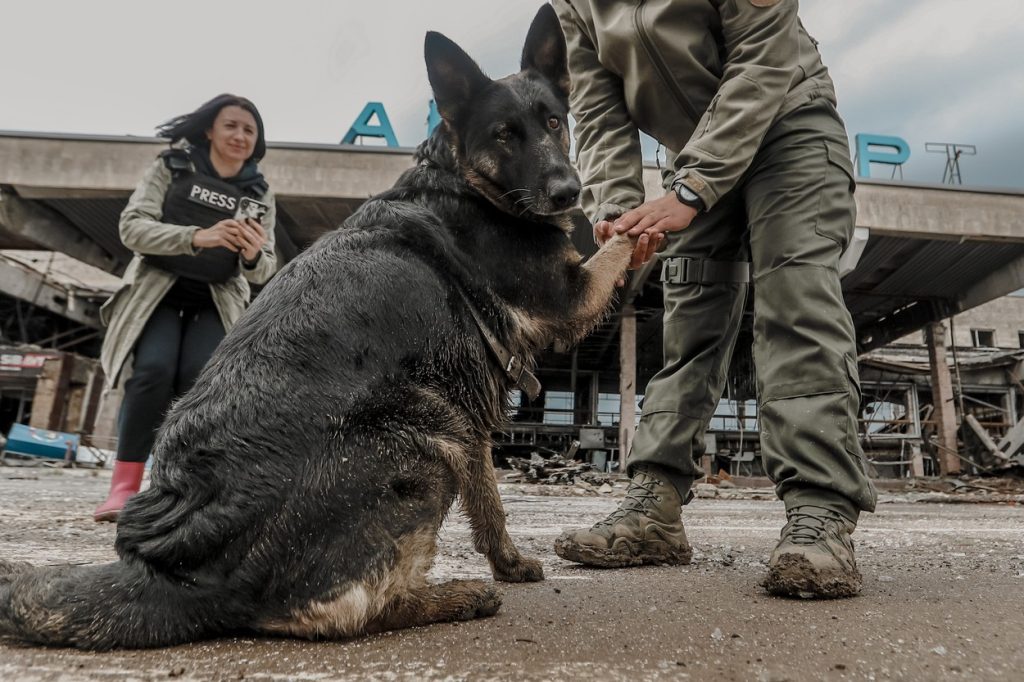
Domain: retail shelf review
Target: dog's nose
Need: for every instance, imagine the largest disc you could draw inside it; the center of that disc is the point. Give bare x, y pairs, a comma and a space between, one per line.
564, 192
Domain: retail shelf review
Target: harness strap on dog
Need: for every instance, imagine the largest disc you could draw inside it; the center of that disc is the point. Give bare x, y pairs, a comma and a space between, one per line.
683, 270
522, 378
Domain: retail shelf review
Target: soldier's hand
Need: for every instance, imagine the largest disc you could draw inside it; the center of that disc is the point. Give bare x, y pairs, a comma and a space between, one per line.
665, 214
644, 246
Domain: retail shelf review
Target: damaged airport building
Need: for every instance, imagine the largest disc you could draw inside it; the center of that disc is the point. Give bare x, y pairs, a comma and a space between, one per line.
932, 282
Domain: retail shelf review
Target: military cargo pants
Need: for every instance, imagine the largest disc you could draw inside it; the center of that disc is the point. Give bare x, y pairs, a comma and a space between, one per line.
791, 215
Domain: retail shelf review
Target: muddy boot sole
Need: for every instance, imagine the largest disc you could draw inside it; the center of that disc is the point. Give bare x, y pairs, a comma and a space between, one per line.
621, 555
107, 516
793, 575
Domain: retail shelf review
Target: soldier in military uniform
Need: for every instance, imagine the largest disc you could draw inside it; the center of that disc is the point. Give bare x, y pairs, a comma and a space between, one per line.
760, 191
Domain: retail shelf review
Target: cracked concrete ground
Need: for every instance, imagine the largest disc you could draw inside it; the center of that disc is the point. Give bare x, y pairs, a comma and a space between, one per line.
943, 599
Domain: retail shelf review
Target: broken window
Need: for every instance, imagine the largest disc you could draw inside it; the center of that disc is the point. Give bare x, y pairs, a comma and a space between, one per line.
983, 338
558, 407
889, 410
608, 408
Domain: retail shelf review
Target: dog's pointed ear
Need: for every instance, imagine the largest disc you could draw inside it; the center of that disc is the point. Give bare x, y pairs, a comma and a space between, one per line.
544, 50
454, 76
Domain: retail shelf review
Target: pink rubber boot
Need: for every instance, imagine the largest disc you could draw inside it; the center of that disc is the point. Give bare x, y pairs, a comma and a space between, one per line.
125, 483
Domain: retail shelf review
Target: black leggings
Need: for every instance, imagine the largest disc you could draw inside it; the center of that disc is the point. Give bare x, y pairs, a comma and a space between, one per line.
171, 351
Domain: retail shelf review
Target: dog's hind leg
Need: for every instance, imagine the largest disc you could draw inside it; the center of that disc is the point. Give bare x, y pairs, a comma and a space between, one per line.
482, 504
450, 601
390, 598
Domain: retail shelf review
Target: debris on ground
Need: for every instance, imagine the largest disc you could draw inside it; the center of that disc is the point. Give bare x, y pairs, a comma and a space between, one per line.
557, 470
962, 490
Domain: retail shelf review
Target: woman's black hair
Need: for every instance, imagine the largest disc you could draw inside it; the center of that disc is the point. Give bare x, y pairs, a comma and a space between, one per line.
193, 126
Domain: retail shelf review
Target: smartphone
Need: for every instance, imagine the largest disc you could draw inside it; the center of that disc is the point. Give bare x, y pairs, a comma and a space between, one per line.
250, 208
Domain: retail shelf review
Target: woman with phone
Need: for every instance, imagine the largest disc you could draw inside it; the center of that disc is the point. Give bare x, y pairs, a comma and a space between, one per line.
201, 224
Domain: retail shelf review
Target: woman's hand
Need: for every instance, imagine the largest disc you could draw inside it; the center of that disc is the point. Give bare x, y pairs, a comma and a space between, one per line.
223, 234
251, 237
245, 237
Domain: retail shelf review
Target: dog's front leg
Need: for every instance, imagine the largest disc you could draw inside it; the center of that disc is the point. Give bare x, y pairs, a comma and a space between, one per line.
482, 504
604, 269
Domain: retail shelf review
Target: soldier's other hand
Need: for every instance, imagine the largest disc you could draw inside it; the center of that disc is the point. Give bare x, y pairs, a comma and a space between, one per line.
665, 214
603, 231
646, 245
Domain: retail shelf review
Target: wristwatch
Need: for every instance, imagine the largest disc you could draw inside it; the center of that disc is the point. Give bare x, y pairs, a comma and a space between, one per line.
687, 196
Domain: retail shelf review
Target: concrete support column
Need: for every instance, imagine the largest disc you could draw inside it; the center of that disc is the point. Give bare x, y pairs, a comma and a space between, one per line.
93, 393
627, 383
49, 405
942, 398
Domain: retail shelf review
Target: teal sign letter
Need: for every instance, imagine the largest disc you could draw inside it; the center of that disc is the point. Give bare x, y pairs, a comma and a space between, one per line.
892, 151
363, 128
433, 117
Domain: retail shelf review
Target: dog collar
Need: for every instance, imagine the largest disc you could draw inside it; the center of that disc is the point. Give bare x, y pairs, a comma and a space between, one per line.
521, 377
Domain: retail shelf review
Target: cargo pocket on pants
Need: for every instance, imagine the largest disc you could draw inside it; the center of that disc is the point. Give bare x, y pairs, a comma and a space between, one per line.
836, 208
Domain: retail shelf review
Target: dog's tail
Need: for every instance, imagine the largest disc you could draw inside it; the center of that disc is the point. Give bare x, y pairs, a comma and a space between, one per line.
122, 604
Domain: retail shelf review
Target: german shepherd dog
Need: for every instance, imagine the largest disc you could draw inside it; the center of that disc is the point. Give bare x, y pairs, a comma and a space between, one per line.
300, 485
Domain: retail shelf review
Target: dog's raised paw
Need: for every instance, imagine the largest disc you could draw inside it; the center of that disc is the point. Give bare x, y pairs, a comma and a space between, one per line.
522, 570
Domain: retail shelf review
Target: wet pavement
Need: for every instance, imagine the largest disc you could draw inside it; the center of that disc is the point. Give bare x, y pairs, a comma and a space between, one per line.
943, 599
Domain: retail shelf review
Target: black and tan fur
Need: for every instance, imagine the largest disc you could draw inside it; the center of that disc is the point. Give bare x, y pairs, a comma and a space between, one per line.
300, 485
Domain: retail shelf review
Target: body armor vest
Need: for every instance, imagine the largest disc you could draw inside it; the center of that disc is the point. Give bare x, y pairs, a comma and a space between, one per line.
198, 199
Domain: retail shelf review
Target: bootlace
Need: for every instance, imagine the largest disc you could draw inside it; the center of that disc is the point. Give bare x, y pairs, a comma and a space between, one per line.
806, 527
639, 493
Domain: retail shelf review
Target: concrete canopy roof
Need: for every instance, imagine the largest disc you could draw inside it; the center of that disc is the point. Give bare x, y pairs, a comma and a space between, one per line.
932, 250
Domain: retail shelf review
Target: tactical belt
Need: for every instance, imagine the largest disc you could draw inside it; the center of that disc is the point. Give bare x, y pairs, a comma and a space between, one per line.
522, 378
683, 270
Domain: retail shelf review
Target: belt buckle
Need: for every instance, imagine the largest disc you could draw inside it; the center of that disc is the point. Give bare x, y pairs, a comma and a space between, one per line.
515, 368
676, 270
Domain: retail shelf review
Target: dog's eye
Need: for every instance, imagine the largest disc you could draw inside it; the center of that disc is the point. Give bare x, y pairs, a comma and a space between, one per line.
502, 134
554, 123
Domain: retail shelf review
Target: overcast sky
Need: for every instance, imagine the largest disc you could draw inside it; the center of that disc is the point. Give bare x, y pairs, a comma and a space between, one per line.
924, 70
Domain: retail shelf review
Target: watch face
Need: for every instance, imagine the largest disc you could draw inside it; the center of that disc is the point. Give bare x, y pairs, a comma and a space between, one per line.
685, 194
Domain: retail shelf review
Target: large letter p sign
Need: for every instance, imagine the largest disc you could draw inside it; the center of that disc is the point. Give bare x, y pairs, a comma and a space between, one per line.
892, 151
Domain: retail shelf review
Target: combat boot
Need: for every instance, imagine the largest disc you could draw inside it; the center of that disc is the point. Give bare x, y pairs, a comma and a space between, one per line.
645, 529
814, 557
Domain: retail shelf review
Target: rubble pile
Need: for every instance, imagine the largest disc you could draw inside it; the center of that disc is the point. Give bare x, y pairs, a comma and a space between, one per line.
556, 470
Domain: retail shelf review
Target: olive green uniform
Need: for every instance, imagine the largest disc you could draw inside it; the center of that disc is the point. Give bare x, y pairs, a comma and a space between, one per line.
739, 89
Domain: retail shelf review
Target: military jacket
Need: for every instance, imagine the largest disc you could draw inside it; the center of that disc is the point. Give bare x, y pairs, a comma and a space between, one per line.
705, 78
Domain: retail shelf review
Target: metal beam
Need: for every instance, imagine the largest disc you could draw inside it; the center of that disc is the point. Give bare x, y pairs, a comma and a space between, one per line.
18, 281
51, 231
